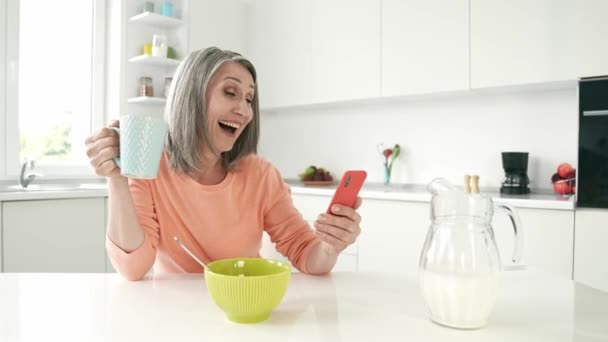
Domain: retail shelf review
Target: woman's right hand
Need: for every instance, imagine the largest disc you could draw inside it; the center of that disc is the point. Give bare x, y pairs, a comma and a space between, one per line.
102, 147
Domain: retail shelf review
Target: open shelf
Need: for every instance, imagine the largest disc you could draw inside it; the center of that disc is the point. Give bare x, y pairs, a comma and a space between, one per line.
154, 60
148, 100
155, 19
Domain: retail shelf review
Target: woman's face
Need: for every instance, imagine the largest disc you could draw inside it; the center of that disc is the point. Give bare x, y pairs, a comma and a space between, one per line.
229, 110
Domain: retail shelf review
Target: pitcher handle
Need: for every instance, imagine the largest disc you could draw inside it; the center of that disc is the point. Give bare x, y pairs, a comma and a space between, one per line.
517, 229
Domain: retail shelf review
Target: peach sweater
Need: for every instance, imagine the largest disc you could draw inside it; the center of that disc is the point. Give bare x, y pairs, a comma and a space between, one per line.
215, 221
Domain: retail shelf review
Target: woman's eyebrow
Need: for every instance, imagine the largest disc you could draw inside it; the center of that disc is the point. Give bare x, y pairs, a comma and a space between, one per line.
237, 80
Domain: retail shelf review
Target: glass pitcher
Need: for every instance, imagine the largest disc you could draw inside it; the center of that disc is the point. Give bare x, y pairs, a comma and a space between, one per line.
460, 267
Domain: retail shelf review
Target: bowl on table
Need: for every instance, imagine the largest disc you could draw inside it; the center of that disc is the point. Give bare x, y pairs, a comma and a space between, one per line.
247, 289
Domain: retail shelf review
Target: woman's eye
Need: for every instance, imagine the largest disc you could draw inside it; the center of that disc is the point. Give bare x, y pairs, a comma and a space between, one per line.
229, 93
249, 101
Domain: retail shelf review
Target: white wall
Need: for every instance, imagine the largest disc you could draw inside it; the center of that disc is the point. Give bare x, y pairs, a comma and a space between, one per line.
440, 137
217, 23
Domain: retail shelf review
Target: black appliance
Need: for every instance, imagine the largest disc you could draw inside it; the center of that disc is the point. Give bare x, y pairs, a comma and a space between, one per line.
516, 180
592, 172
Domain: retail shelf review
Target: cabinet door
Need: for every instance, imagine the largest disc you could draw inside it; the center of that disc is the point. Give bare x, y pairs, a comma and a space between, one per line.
54, 235
392, 237
425, 46
109, 267
345, 50
591, 44
548, 239
1, 244
279, 46
590, 252
521, 41
217, 23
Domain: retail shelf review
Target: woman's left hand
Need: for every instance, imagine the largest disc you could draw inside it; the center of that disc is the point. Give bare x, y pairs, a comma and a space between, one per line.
341, 228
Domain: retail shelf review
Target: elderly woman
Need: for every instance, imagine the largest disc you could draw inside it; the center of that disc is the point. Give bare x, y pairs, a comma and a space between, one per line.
212, 191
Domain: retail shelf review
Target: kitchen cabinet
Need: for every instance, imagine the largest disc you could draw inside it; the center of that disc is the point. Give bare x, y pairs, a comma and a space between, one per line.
393, 234
425, 46
590, 252
345, 50
59, 235
591, 33
548, 239
279, 45
217, 23
1, 244
521, 42
392, 237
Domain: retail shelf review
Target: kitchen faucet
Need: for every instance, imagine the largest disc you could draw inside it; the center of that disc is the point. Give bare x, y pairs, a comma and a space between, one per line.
26, 178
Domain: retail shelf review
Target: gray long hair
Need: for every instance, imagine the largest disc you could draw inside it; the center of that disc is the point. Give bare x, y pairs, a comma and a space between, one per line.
186, 111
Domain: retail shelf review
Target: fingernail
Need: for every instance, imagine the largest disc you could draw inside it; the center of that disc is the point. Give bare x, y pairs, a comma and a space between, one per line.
336, 208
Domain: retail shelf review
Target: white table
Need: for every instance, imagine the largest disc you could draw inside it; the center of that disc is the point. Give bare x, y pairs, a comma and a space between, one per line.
339, 307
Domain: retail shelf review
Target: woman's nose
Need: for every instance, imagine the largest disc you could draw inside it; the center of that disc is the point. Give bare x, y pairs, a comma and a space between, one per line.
243, 107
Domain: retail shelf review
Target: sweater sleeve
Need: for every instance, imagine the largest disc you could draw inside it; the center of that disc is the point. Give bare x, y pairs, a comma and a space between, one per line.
136, 264
292, 235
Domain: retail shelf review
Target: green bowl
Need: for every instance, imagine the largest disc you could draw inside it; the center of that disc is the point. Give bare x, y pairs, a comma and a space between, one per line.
247, 289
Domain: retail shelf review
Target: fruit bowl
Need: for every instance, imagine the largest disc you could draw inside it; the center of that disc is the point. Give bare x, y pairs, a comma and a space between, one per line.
317, 183
565, 186
314, 175
564, 180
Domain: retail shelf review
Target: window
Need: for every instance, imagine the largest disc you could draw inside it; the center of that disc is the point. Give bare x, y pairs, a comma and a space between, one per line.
54, 93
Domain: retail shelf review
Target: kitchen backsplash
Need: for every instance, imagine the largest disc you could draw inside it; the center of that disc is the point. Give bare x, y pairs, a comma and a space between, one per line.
440, 137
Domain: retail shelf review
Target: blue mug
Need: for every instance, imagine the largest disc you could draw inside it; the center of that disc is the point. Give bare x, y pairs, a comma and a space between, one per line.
141, 145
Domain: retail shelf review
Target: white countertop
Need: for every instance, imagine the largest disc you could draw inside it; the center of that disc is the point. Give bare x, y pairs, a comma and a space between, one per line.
418, 193
397, 192
339, 307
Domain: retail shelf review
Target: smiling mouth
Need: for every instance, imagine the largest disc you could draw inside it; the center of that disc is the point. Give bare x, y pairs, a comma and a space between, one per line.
229, 126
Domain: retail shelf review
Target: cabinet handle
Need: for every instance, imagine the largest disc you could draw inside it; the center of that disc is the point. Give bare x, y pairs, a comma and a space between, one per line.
595, 112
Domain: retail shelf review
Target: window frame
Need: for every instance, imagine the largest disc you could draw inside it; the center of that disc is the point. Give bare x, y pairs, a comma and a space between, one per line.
3, 83
9, 147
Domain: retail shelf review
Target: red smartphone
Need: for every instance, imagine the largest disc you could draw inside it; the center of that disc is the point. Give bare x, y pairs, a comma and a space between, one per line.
348, 189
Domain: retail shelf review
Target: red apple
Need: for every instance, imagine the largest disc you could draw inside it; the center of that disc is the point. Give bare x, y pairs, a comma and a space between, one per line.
565, 170
563, 187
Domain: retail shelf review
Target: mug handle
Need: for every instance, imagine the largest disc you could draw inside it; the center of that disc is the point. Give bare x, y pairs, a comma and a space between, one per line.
116, 159
519, 234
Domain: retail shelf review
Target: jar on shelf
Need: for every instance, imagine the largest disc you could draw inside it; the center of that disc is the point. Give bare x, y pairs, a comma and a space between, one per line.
167, 9
159, 45
145, 86
147, 50
167, 86
148, 6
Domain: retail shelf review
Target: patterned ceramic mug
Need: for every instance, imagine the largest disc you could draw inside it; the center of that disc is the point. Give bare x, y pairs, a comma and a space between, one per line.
141, 145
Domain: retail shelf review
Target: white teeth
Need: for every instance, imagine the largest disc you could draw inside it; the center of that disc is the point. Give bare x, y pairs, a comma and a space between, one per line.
231, 124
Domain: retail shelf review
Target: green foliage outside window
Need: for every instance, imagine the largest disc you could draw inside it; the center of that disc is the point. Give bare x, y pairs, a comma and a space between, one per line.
50, 146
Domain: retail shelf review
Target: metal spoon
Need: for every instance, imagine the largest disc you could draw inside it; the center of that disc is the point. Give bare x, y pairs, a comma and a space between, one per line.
190, 252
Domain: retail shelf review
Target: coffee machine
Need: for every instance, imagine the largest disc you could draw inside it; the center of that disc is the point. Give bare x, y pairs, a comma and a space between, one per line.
516, 180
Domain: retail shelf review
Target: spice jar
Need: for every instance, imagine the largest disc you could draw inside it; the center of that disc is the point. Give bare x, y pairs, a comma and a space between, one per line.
159, 45
167, 86
145, 86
